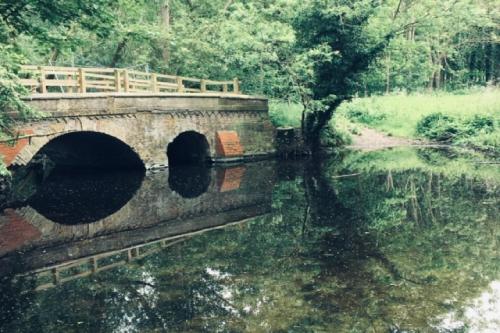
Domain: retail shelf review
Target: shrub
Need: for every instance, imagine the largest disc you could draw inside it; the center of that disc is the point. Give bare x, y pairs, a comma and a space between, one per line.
480, 124
439, 127
443, 128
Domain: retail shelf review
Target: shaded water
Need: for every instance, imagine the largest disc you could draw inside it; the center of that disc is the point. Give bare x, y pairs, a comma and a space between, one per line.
391, 241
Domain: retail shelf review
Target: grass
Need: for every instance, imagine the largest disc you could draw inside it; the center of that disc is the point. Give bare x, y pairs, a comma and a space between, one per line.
399, 115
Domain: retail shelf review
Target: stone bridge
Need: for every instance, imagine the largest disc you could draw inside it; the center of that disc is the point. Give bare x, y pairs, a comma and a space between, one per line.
143, 129
117, 117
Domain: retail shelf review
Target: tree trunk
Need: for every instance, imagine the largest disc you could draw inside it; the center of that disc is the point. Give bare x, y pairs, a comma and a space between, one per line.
388, 74
316, 122
119, 51
431, 79
165, 22
493, 64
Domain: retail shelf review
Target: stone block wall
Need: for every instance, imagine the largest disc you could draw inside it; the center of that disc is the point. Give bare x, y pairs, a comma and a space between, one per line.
147, 123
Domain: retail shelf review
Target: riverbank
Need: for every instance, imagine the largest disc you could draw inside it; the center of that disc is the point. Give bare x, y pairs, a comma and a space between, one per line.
368, 139
471, 120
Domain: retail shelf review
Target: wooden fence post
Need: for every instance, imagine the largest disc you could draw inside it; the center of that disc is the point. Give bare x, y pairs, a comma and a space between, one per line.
180, 87
74, 89
81, 81
203, 85
118, 80
224, 88
95, 265
236, 86
43, 87
55, 276
125, 80
154, 83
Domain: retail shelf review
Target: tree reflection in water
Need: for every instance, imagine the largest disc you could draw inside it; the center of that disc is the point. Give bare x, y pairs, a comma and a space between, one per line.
387, 248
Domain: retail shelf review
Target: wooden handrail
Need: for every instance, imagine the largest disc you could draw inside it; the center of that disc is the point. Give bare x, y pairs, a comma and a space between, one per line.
56, 79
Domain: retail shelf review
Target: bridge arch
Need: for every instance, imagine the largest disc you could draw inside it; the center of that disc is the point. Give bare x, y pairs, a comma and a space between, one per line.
88, 150
188, 148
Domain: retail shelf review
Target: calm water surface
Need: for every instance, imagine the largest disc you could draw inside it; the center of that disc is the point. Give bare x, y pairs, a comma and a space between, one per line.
399, 240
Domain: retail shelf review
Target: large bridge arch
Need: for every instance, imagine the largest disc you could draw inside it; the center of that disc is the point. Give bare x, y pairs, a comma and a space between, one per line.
80, 148
90, 149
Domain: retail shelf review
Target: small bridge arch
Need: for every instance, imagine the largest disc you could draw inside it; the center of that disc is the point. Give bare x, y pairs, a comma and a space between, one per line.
188, 147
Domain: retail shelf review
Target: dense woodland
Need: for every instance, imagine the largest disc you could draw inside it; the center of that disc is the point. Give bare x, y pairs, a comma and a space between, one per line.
316, 52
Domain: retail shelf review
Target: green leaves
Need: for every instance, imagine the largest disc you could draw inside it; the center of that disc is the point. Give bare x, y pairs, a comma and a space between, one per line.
10, 90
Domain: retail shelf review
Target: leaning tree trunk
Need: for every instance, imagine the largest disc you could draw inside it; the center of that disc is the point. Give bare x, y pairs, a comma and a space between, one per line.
315, 122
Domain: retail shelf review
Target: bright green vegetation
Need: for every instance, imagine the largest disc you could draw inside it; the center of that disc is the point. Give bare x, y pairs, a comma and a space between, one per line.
393, 247
472, 118
285, 114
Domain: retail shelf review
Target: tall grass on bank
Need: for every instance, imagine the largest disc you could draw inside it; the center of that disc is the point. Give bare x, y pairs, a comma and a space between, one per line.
285, 114
472, 118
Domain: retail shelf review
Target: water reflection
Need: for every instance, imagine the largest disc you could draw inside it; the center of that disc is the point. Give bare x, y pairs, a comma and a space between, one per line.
127, 209
481, 315
76, 197
355, 243
189, 181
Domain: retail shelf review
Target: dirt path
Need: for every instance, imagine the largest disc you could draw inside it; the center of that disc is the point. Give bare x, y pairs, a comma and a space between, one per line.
370, 139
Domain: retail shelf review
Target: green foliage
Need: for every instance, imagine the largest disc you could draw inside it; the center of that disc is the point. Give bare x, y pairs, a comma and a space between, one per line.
480, 124
439, 127
353, 38
284, 114
316, 53
10, 90
443, 45
358, 112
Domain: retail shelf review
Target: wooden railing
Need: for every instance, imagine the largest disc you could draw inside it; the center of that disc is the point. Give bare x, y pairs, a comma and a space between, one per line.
51, 79
59, 274
51, 276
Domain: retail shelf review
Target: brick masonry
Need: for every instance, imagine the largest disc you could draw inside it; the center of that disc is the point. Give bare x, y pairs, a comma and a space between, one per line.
228, 144
9, 150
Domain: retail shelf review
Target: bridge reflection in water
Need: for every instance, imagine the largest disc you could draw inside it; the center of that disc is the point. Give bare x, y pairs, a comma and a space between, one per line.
163, 209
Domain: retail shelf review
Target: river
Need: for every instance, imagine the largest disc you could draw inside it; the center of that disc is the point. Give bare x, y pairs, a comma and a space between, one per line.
399, 240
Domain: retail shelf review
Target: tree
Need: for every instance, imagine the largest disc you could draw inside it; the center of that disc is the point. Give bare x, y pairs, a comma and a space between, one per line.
351, 38
44, 21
